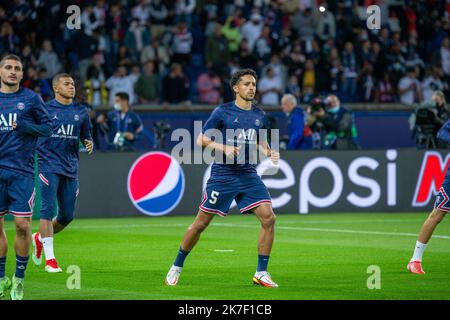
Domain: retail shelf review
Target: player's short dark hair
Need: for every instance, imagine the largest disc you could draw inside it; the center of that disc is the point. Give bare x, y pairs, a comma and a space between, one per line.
58, 77
123, 96
236, 77
9, 57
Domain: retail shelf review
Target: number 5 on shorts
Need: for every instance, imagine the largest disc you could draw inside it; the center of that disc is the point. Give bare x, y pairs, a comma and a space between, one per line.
214, 195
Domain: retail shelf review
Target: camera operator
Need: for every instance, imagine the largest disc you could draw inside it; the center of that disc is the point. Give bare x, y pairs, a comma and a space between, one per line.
335, 124
299, 135
428, 118
124, 126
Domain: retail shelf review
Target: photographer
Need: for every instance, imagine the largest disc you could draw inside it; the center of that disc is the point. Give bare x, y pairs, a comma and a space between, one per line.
334, 124
124, 126
428, 119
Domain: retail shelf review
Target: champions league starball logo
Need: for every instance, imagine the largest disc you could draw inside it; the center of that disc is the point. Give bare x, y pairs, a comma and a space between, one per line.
155, 183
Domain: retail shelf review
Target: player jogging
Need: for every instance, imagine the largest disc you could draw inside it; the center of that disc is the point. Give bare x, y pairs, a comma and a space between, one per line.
441, 207
234, 181
58, 167
23, 117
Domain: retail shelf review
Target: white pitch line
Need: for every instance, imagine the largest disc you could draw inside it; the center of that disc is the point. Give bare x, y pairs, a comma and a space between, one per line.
168, 225
223, 250
334, 230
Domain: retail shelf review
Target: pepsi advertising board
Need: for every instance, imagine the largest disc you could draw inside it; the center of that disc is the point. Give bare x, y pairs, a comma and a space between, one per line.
156, 184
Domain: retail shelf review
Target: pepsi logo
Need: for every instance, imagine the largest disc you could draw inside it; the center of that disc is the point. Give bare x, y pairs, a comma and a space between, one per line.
155, 183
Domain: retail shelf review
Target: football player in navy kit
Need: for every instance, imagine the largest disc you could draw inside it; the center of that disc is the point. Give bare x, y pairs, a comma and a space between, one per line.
23, 118
58, 167
441, 207
236, 179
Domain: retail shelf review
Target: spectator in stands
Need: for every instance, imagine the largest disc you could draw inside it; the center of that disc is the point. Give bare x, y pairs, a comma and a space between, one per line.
251, 30
184, 10
298, 135
45, 87
305, 24
209, 87
326, 25
156, 53
48, 59
136, 38
175, 86
263, 45
120, 82
182, 44
148, 86
350, 72
95, 87
9, 42
158, 15
141, 12
308, 81
28, 56
270, 88
124, 126
385, 92
293, 88
445, 57
366, 83
409, 88
246, 57
232, 34
89, 20
432, 82
31, 80
216, 52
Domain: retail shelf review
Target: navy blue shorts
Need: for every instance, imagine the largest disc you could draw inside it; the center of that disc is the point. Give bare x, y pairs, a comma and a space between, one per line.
248, 190
56, 188
443, 197
16, 194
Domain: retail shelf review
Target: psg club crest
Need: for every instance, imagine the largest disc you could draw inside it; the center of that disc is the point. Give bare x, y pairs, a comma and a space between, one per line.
76, 117
257, 122
155, 183
20, 106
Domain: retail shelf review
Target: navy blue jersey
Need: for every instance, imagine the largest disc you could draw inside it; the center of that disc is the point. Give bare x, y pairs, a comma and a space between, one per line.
124, 122
59, 152
444, 135
246, 125
17, 146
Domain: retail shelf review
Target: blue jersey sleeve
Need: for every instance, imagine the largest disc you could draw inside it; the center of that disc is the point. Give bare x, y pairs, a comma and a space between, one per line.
214, 121
85, 130
444, 132
137, 127
43, 123
296, 130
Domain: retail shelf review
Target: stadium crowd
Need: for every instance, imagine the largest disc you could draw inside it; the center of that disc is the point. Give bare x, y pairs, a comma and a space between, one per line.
184, 50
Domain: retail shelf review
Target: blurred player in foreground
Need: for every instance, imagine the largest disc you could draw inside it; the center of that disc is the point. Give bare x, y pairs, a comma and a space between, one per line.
236, 179
23, 117
441, 207
58, 167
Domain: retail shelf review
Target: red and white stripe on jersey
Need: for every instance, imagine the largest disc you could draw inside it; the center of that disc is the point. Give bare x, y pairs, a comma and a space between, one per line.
208, 210
43, 179
255, 204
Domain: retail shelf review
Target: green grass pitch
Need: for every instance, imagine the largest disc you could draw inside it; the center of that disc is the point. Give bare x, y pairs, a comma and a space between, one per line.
316, 256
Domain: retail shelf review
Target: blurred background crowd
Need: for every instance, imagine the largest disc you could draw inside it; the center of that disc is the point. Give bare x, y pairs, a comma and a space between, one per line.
183, 51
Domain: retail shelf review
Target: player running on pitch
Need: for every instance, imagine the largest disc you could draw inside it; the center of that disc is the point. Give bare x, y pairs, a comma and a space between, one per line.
237, 180
23, 117
58, 167
441, 207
